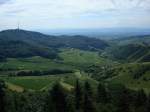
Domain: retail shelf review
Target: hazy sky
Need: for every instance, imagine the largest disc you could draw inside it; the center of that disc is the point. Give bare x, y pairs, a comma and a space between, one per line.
53, 14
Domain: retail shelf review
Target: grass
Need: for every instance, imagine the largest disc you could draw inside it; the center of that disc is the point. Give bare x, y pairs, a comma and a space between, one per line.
72, 59
81, 58
39, 83
33, 63
127, 79
32, 82
14, 87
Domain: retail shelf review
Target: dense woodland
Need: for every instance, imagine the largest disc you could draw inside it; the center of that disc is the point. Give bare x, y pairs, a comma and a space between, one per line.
83, 98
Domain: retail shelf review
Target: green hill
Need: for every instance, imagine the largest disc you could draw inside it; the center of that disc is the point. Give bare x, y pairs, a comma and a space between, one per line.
21, 43
129, 53
135, 76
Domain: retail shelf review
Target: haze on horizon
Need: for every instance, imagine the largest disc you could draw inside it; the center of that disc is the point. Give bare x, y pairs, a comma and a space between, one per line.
74, 14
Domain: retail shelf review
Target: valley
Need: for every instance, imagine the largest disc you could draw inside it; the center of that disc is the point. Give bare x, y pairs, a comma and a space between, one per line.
32, 64
79, 56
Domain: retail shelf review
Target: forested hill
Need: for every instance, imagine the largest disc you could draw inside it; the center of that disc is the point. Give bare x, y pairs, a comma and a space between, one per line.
130, 49
21, 43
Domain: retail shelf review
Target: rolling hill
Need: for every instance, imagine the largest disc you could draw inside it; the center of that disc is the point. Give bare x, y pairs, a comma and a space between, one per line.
133, 52
134, 75
21, 43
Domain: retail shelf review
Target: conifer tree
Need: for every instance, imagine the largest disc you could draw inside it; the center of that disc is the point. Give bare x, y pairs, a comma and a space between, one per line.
102, 95
78, 96
88, 104
148, 104
2, 97
58, 99
123, 103
140, 98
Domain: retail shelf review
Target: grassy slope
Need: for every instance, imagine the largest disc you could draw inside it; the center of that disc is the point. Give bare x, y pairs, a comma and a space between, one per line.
126, 78
81, 58
33, 63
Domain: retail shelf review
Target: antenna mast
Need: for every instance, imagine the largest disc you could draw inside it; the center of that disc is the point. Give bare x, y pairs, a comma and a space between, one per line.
18, 26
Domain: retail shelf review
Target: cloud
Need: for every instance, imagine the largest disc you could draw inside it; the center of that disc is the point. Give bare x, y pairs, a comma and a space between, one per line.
4, 2
73, 13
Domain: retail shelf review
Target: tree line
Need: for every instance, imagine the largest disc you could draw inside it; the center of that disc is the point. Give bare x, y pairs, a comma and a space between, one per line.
83, 98
40, 73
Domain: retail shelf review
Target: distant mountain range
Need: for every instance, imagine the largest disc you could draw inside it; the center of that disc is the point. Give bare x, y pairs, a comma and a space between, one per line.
102, 33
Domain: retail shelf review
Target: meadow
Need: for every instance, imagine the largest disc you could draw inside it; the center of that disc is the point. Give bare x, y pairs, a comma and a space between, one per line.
126, 77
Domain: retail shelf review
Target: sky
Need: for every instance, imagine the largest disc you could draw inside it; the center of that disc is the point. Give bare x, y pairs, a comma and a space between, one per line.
74, 14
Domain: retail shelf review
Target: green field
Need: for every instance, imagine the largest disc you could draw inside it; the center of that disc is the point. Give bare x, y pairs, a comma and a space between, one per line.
71, 59
33, 63
45, 82
81, 58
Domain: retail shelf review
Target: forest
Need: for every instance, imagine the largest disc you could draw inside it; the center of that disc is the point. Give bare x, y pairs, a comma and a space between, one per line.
80, 99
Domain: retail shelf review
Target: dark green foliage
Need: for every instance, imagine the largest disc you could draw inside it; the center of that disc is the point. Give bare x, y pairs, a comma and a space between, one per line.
20, 43
140, 98
58, 98
88, 102
131, 52
71, 104
78, 96
102, 95
26, 102
140, 101
124, 102
15, 49
101, 73
41, 73
148, 104
2, 97
139, 70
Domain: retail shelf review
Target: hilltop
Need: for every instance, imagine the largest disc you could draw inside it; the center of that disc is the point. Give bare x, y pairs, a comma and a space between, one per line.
21, 43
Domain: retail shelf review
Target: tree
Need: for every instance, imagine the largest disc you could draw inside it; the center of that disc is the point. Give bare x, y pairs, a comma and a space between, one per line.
123, 103
88, 89
2, 95
102, 95
78, 96
140, 101
71, 104
148, 104
58, 99
88, 105
140, 98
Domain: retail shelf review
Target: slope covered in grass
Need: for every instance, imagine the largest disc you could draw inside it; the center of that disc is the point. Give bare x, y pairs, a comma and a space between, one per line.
129, 53
82, 58
33, 63
134, 76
